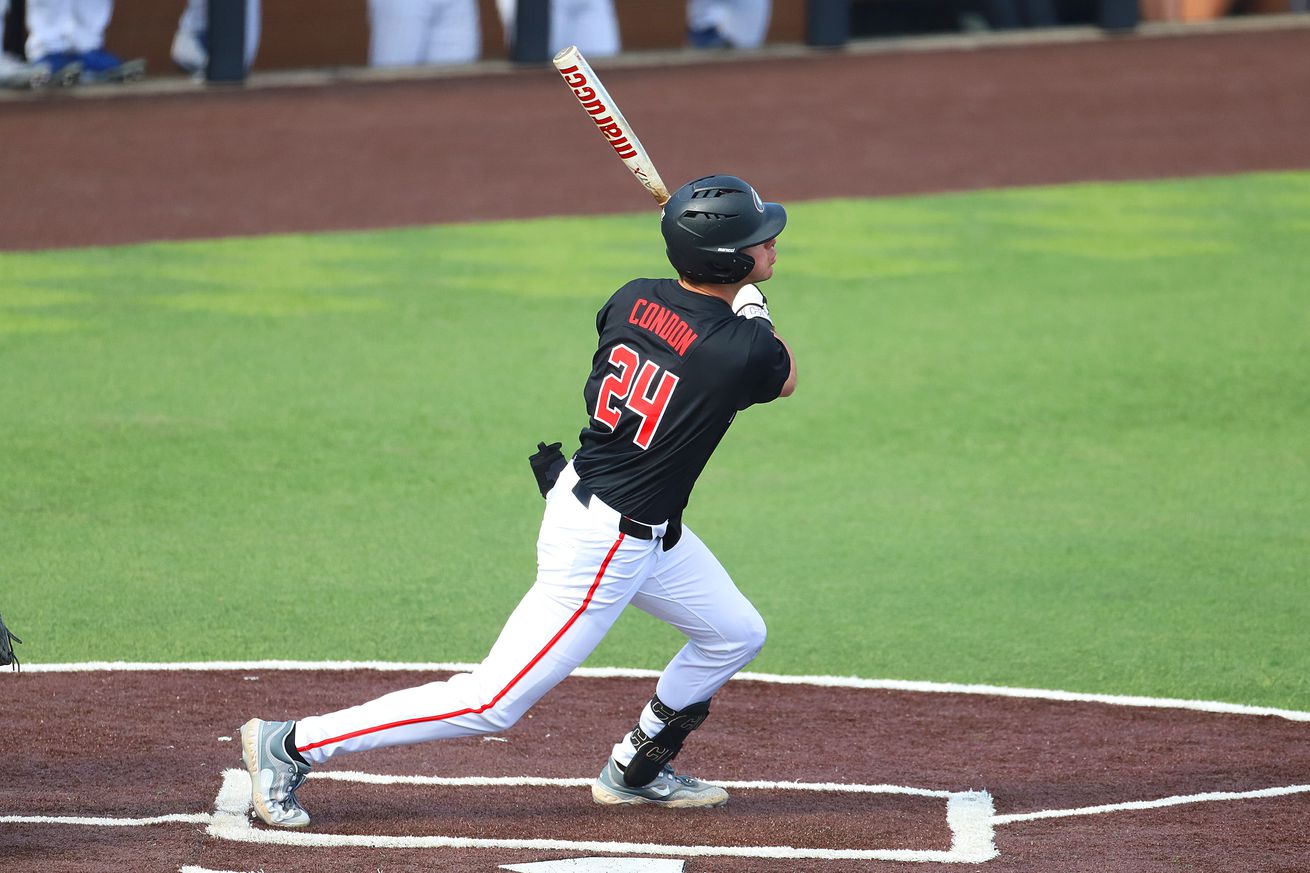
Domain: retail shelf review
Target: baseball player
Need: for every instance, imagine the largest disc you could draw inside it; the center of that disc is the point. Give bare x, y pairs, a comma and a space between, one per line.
676, 360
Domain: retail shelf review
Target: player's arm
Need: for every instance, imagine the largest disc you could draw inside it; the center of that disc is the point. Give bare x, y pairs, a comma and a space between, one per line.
790, 385
750, 302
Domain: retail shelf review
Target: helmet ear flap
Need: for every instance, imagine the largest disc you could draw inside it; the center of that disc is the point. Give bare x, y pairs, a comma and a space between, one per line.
722, 263
742, 266
722, 268
735, 267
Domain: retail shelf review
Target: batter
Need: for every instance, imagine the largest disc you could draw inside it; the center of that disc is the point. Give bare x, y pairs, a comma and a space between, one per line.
676, 360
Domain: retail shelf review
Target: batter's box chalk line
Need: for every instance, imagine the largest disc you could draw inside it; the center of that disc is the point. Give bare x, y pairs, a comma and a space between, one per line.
745, 676
968, 813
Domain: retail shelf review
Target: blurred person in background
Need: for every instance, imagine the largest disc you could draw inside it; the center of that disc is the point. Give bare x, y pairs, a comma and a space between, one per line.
69, 35
741, 24
190, 49
591, 25
409, 33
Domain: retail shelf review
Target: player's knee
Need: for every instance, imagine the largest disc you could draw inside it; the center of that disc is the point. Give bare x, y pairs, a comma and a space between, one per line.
756, 636
473, 690
748, 638
498, 720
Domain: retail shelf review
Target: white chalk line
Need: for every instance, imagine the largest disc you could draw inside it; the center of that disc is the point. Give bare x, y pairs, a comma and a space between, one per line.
570, 782
775, 678
1178, 800
968, 815
107, 821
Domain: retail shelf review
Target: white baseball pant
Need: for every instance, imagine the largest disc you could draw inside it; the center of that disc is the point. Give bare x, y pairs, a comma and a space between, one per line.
744, 23
66, 26
587, 572
405, 33
591, 25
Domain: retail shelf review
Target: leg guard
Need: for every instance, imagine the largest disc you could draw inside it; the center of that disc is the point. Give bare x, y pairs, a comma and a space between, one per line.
654, 752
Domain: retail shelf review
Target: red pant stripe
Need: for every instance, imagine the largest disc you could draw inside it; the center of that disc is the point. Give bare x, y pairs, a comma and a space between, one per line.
586, 601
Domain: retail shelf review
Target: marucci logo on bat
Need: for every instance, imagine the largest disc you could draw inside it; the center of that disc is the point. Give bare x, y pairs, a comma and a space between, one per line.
599, 112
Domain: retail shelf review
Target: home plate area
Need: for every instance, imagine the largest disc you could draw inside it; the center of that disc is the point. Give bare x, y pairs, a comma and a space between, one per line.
826, 775
788, 821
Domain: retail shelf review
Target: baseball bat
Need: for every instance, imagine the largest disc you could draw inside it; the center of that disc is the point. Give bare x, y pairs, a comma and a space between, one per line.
602, 109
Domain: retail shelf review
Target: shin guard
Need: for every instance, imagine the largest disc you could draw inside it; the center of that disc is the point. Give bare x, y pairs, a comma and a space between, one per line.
654, 752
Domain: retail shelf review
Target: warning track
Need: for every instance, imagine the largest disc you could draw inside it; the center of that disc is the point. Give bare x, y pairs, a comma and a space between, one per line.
137, 766
509, 146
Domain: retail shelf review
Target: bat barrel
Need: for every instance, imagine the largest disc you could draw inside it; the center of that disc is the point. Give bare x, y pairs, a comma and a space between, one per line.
604, 112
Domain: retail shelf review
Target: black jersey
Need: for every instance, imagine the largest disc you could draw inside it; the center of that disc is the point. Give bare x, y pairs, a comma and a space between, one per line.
671, 370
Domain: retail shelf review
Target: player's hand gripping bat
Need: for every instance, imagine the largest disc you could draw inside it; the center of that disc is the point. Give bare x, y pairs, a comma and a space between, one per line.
602, 109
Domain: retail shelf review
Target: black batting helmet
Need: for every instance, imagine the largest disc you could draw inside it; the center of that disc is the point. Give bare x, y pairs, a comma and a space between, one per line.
708, 221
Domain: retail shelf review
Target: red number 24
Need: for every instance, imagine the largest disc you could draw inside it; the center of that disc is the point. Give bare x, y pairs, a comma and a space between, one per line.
631, 385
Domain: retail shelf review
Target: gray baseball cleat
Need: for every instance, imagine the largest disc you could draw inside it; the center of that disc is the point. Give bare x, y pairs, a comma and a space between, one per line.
667, 789
19, 75
274, 774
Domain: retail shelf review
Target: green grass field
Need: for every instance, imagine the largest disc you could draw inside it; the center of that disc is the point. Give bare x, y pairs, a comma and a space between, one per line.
1052, 437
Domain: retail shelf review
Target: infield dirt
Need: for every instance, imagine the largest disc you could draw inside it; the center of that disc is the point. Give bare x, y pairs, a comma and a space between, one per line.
144, 744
